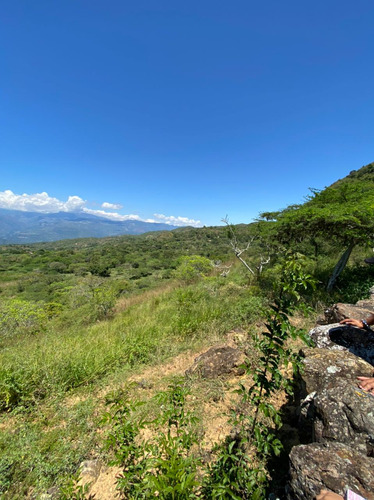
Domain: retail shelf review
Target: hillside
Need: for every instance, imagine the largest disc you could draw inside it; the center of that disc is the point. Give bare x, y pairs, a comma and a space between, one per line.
91, 326
30, 227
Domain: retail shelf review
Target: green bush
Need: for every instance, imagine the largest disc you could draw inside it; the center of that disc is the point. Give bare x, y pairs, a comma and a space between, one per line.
21, 317
193, 267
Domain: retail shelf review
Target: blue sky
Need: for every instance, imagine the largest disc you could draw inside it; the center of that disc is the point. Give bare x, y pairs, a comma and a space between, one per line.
197, 109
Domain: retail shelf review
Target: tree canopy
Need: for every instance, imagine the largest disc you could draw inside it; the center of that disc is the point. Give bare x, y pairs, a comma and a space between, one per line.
342, 213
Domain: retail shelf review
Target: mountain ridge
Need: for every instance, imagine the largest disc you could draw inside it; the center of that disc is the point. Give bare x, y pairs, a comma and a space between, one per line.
17, 227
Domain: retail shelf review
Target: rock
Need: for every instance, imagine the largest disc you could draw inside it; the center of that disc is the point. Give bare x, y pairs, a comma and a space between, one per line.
324, 368
335, 412
341, 311
345, 338
144, 384
218, 361
52, 494
333, 466
345, 414
335, 408
90, 470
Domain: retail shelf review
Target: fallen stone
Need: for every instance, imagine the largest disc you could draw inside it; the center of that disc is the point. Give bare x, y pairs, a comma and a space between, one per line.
89, 471
332, 466
218, 361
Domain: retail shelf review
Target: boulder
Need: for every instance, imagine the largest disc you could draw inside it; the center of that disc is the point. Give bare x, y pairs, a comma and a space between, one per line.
326, 377
341, 311
218, 361
323, 369
345, 414
345, 338
333, 466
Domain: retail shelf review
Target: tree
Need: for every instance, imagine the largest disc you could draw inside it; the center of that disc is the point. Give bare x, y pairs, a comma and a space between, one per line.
262, 259
342, 212
192, 267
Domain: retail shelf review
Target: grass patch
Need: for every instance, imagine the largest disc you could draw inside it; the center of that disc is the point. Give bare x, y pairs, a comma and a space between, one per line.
41, 448
44, 436
51, 362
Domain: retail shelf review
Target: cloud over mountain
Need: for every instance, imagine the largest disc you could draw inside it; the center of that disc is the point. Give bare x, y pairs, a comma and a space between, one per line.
111, 206
177, 221
42, 202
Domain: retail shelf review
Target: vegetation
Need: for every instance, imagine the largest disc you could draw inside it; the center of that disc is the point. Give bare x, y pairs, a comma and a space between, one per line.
79, 319
343, 211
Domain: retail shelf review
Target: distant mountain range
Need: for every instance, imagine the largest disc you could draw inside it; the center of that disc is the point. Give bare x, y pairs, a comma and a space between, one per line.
33, 227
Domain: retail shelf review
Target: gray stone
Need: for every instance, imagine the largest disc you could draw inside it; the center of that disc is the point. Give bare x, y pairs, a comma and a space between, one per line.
340, 311
332, 466
324, 368
89, 471
334, 407
345, 338
218, 361
345, 414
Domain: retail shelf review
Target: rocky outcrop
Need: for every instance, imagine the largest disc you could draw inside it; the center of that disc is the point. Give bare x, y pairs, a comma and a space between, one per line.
340, 311
324, 369
345, 413
333, 466
338, 413
345, 338
218, 361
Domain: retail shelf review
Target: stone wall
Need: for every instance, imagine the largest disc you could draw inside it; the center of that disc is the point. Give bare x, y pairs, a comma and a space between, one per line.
338, 414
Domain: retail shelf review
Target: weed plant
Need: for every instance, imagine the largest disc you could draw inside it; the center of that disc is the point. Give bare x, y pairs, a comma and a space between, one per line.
163, 466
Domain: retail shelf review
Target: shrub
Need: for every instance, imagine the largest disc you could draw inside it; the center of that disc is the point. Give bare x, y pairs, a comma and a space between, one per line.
193, 267
21, 317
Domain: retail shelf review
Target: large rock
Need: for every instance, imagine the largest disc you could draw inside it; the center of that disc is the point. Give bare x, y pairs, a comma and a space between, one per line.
341, 311
333, 466
218, 361
346, 338
345, 414
334, 408
323, 369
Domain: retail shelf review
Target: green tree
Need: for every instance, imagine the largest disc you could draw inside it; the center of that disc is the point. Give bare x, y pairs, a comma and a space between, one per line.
193, 267
342, 212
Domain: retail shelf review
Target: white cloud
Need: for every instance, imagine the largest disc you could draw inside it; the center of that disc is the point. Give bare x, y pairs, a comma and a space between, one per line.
112, 206
177, 221
42, 202
39, 202
111, 215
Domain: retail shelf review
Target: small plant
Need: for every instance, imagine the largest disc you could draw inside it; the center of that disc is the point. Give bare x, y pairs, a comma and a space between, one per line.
131, 456
164, 465
237, 474
175, 467
72, 490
